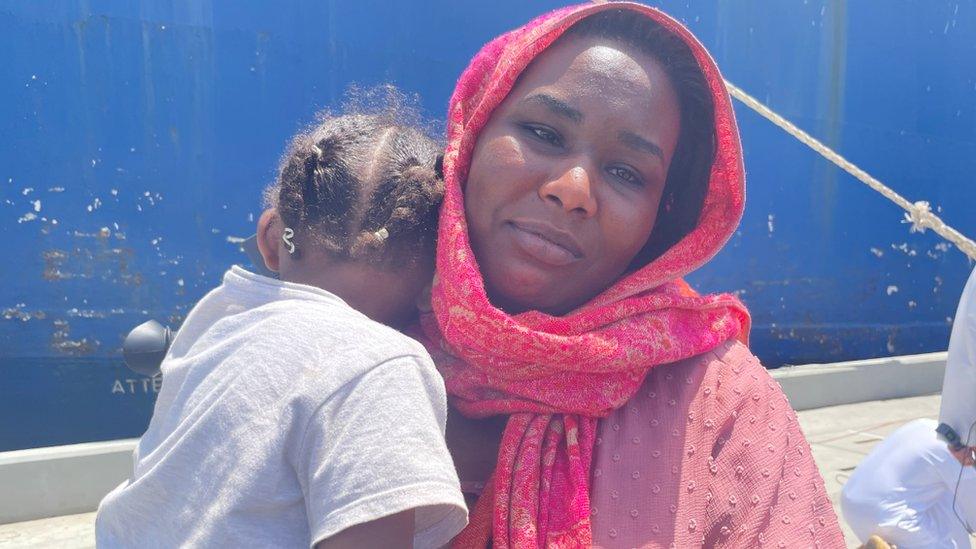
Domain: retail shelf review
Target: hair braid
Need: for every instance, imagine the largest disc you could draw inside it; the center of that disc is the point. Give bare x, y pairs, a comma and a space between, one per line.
363, 196
330, 193
403, 209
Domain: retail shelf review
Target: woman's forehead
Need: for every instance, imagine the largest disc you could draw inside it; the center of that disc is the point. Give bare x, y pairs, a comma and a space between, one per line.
586, 81
594, 67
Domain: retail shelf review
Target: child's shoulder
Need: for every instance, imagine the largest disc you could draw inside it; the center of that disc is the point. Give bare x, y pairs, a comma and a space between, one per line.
327, 331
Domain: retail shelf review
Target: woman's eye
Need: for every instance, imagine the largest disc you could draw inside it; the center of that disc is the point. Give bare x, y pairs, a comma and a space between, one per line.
544, 134
626, 175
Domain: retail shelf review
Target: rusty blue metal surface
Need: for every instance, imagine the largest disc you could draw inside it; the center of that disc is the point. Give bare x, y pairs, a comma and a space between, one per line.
137, 136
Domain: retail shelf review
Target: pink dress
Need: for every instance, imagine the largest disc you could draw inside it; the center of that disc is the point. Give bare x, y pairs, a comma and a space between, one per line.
708, 453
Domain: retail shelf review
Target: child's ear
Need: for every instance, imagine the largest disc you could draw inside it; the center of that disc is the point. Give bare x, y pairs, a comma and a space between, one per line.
269, 239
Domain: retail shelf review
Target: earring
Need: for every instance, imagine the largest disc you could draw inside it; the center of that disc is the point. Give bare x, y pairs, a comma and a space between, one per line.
286, 237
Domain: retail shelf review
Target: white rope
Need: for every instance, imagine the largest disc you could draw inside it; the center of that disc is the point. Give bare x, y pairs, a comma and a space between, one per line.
918, 214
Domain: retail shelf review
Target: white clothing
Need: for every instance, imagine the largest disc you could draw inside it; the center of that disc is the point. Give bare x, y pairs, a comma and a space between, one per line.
958, 408
903, 490
285, 416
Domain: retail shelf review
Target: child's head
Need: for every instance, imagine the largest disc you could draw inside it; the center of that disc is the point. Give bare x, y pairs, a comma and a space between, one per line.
354, 210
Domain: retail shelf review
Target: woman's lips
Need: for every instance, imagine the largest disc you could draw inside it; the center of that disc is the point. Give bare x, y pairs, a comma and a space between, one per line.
544, 243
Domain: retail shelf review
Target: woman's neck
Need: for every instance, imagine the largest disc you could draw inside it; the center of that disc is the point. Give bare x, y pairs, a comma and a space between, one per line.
474, 444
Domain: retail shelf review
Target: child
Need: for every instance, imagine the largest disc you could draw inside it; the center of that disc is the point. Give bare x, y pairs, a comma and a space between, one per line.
290, 415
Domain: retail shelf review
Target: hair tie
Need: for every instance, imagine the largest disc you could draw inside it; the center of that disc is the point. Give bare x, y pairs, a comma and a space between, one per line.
286, 237
382, 234
439, 166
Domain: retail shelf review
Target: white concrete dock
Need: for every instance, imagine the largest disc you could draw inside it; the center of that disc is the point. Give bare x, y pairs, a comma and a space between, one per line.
840, 436
68, 532
845, 408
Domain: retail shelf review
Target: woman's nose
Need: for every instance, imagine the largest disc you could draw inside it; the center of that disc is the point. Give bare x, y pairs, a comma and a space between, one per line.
573, 191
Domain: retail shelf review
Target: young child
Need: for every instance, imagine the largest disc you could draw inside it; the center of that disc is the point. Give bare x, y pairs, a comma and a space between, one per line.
290, 414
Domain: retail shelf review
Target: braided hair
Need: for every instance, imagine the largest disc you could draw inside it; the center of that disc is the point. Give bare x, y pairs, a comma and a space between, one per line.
363, 186
687, 183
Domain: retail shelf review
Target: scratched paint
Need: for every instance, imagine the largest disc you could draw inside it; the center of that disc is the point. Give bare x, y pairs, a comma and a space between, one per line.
63, 343
137, 138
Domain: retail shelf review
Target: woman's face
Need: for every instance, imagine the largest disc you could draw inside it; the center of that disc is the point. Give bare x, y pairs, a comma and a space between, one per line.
567, 175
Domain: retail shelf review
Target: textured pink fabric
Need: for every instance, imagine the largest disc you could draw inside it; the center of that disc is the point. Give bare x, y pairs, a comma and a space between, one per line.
708, 453
556, 376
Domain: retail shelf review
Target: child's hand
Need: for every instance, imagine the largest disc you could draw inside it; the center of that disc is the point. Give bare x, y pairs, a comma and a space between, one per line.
965, 455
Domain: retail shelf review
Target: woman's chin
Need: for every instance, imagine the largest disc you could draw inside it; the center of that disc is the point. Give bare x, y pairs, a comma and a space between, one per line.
523, 288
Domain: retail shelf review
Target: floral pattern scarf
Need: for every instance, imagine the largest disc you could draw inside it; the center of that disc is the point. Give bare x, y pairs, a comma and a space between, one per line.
556, 376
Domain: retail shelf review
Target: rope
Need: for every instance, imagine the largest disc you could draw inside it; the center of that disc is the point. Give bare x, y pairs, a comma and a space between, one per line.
919, 214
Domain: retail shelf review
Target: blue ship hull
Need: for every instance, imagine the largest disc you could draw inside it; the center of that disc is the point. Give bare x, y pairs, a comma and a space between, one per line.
137, 137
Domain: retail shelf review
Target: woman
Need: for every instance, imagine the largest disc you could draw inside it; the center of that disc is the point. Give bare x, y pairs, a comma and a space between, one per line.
592, 161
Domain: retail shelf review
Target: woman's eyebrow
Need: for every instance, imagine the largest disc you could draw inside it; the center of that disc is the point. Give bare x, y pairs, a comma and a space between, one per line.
556, 106
637, 142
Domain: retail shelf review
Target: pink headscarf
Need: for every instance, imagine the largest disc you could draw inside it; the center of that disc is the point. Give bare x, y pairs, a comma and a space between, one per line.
556, 376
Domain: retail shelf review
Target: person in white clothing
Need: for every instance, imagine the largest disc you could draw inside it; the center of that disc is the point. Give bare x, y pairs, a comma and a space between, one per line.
917, 488
903, 492
291, 414
958, 408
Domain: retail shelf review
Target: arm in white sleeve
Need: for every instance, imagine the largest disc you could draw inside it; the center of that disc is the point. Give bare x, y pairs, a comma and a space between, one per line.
958, 407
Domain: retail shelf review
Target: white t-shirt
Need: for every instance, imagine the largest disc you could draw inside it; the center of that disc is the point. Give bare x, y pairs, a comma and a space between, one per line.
903, 491
285, 416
